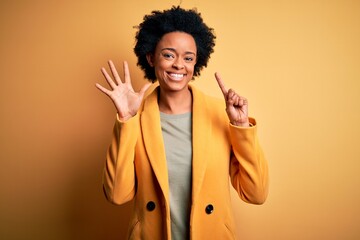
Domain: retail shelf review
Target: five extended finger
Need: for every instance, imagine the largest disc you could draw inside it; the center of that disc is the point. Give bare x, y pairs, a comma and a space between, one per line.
114, 72
108, 78
144, 88
126, 72
104, 90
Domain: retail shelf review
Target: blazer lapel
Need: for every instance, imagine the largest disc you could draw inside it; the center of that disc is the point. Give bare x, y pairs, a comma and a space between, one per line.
201, 133
153, 140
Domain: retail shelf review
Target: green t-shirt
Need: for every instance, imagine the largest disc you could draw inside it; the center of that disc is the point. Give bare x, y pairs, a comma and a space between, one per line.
177, 135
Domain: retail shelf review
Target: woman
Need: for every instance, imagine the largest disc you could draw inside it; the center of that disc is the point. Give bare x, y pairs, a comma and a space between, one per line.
173, 152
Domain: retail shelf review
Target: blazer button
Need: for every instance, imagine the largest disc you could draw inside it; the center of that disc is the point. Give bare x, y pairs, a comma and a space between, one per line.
209, 209
150, 206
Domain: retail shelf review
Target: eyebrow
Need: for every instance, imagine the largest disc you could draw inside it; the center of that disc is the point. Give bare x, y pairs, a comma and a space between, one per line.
174, 50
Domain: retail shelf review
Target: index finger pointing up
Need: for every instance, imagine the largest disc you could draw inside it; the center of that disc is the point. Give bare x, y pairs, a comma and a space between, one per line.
221, 84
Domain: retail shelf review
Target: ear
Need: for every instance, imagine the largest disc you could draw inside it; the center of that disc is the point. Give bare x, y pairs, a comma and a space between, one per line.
149, 58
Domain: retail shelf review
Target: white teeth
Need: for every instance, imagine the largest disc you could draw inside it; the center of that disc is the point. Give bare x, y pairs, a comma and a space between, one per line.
176, 75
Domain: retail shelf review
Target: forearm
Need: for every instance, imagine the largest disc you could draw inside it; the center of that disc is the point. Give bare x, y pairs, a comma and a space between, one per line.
249, 169
119, 172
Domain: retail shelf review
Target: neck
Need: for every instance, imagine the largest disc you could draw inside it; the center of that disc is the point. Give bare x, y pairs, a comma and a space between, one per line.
175, 102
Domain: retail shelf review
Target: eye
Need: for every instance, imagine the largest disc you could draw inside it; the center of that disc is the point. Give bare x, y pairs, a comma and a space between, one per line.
168, 55
189, 59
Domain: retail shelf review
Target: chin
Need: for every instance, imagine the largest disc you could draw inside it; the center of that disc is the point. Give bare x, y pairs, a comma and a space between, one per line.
174, 85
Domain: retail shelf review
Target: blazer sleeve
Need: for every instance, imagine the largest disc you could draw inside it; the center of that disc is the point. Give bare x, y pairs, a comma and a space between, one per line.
119, 171
248, 166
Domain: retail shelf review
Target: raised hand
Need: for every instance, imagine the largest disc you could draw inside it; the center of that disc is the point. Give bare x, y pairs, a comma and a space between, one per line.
122, 94
236, 106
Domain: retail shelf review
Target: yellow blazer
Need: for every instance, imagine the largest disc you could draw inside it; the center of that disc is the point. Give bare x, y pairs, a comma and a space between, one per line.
136, 169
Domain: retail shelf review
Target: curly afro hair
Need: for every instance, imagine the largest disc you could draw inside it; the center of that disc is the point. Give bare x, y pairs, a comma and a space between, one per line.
176, 19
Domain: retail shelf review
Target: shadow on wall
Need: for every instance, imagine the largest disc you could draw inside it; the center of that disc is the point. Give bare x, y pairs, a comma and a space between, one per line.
90, 215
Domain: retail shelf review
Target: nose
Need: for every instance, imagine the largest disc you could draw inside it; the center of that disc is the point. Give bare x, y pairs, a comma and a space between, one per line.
178, 64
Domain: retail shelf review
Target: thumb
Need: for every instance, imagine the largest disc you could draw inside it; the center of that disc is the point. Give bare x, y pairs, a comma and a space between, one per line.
144, 89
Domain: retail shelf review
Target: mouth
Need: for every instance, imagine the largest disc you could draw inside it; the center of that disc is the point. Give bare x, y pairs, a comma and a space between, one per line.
176, 76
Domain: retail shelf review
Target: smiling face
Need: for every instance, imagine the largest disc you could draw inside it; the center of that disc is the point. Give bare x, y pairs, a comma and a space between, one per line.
174, 60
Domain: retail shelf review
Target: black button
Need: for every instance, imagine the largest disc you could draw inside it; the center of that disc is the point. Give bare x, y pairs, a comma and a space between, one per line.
209, 209
150, 206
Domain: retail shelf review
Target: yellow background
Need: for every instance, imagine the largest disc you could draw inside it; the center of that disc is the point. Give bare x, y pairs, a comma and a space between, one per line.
298, 63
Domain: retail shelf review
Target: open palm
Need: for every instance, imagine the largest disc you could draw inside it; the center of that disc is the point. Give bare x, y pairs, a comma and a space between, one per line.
122, 94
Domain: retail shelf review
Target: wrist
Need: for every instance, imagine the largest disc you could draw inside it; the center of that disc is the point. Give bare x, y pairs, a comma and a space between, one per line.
245, 123
123, 119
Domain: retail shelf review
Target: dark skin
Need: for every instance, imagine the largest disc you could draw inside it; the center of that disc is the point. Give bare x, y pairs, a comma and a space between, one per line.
174, 69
